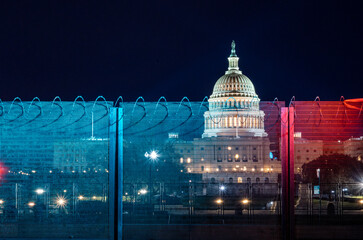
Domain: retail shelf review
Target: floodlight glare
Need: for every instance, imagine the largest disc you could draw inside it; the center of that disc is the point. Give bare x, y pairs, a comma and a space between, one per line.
153, 155
39, 191
143, 191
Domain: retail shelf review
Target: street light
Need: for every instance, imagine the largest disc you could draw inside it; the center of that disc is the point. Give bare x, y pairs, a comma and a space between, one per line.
143, 191
222, 188
245, 201
1, 201
39, 191
31, 204
153, 156
61, 202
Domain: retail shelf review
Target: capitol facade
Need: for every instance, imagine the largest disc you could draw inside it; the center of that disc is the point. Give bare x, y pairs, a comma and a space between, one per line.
234, 147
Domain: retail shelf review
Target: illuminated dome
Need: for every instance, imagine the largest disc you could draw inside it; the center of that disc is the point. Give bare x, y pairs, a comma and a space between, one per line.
233, 85
234, 107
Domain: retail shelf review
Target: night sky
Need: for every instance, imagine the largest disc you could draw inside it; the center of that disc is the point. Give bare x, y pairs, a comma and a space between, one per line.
175, 49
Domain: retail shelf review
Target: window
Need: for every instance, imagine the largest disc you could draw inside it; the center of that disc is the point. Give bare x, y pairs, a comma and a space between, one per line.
230, 180
202, 168
267, 180
229, 158
219, 159
202, 148
213, 180
219, 148
244, 158
257, 180
248, 180
254, 148
254, 158
307, 150
239, 180
236, 148
314, 150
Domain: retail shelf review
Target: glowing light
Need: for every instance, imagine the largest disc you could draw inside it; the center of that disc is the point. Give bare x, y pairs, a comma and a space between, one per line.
80, 197
33, 171
219, 201
202, 159
361, 201
65, 190
271, 155
188, 160
261, 169
222, 188
31, 204
245, 201
143, 191
1, 201
154, 155
229, 148
189, 170
237, 166
61, 201
236, 156
244, 168
39, 191
253, 169
50, 171
181, 160
207, 169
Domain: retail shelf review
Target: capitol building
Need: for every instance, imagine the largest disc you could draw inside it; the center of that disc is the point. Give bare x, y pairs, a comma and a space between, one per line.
234, 147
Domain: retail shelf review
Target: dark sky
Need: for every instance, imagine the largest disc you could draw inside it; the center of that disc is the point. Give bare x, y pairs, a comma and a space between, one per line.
175, 49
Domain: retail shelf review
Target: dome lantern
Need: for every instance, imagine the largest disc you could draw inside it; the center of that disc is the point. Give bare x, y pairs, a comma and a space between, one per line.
233, 60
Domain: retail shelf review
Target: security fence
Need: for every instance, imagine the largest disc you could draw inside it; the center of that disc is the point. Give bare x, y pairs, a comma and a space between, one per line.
94, 170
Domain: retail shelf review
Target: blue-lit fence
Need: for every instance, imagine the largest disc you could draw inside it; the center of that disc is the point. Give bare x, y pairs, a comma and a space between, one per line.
61, 169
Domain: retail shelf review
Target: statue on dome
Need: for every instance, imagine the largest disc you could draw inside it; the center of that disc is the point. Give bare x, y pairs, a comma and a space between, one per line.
233, 51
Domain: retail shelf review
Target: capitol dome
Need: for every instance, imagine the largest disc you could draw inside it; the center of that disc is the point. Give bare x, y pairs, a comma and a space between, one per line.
233, 85
234, 107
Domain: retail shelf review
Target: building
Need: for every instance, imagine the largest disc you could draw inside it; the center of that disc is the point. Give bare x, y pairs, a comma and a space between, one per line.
234, 146
354, 147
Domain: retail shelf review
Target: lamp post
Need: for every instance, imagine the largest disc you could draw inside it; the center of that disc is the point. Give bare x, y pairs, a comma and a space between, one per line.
222, 188
153, 157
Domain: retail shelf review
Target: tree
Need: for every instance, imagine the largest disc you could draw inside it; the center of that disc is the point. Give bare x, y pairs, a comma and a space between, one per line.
336, 168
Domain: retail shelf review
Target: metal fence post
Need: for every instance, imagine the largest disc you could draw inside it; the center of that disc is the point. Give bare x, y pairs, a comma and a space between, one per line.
115, 173
287, 174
